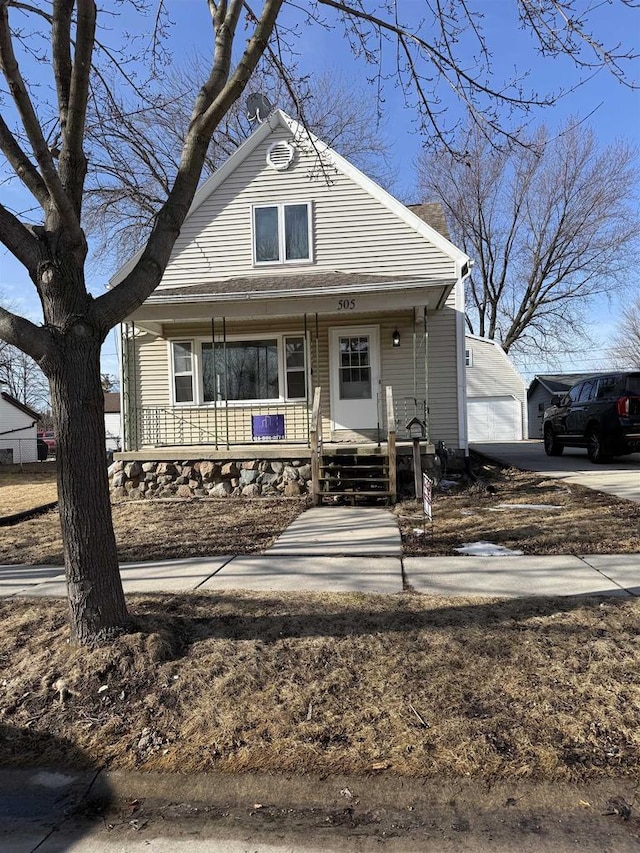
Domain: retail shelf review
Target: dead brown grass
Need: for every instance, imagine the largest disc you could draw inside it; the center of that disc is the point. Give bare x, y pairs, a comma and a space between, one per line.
578, 520
541, 688
22, 489
163, 530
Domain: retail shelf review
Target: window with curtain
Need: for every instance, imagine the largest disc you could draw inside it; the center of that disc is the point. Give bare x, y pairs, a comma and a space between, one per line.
281, 233
240, 370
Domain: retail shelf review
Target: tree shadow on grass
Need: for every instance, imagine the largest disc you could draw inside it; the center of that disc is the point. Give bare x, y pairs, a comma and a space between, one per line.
271, 618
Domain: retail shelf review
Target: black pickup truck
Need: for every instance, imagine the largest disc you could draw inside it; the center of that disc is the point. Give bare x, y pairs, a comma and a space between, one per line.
601, 413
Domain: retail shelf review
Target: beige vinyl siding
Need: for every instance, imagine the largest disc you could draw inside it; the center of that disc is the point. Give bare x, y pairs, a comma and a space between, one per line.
153, 379
443, 374
352, 231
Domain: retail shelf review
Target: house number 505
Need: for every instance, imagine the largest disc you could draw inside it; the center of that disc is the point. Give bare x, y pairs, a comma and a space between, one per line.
346, 304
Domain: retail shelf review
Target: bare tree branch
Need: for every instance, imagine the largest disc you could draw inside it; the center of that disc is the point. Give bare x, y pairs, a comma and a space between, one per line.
550, 225
19, 240
22, 333
625, 345
215, 98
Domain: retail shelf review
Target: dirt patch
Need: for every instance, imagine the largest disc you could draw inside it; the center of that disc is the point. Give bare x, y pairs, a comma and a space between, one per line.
537, 688
521, 511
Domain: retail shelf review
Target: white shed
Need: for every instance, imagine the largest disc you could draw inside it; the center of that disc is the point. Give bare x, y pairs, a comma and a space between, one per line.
112, 420
18, 431
496, 393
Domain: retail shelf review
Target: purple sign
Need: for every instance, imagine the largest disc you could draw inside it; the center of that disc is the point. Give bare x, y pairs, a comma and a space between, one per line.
267, 427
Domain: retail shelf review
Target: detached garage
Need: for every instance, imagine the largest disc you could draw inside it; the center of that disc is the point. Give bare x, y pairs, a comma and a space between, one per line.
496, 393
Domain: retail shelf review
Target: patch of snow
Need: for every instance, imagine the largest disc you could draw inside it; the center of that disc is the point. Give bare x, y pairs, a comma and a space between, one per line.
48, 779
540, 507
486, 549
418, 531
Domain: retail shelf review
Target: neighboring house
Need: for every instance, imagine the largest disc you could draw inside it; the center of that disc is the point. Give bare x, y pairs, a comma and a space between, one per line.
18, 431
112, 420
296, 279
540, 392
496, 393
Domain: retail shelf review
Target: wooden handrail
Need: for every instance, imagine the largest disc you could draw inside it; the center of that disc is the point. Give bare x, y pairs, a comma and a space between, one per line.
315, 439
391, 444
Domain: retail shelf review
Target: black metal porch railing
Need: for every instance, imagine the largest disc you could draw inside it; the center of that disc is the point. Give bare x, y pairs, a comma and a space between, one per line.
165, 426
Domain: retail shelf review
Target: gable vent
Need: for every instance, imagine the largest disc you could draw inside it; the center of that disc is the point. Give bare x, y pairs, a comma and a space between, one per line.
280, 155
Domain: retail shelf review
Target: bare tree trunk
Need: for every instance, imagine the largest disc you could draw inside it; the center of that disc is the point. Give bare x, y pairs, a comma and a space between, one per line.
96, 600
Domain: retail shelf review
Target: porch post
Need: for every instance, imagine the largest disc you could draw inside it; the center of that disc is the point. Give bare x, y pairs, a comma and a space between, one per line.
425, 327
215, 383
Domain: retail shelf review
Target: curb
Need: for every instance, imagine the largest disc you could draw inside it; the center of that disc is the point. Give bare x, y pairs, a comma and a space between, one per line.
7, 520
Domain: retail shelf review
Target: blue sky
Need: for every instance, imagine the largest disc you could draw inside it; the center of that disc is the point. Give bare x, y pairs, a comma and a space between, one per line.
614, 112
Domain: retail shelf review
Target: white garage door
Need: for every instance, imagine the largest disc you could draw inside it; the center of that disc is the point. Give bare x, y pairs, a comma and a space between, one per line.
494, 419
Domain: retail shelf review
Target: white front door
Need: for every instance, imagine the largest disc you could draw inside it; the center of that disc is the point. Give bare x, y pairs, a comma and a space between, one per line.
354, 358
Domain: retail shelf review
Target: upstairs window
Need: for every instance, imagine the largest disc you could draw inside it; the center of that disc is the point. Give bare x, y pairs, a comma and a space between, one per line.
468, 357
282, 233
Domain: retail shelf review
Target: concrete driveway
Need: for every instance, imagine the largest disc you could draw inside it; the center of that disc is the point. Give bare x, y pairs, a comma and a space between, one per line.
620, 478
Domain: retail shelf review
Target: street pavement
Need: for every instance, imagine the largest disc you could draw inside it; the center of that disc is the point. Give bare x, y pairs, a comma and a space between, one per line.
125, 812
355, 549
620, 477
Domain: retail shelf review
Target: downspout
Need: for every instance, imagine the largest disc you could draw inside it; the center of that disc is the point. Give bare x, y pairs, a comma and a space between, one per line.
464, 270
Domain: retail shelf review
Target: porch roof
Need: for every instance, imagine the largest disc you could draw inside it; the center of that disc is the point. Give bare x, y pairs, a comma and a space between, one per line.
290, 285
292, 293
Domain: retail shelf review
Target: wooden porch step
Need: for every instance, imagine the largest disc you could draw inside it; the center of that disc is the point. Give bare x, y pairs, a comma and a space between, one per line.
357, 493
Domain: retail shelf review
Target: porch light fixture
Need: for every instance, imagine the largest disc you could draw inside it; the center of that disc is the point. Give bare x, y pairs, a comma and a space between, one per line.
395, 338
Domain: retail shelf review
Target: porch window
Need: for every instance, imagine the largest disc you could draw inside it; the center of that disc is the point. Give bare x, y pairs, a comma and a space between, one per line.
182, 353
240, 370
295, 368
282, 233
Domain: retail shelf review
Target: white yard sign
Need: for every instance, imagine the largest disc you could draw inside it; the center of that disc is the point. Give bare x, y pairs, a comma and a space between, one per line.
427, 488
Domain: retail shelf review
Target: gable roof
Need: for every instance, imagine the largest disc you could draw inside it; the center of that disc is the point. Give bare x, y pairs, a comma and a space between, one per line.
418, 218
18, 405
557, 382
498, 348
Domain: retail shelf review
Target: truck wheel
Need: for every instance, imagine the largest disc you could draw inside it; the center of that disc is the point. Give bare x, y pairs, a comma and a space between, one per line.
552, 446
597, 450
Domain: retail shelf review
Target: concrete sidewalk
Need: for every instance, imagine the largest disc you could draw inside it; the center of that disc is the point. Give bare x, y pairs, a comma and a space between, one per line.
355, 549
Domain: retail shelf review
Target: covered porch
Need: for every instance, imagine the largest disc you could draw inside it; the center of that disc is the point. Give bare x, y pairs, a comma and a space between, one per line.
238, 366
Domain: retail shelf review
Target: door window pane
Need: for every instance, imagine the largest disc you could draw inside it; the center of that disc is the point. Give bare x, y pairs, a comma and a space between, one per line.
266, 234
296, 232
354, 371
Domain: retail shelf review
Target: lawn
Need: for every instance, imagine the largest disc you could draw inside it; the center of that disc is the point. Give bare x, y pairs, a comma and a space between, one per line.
544, 689
541, 689
22, 488
516, 509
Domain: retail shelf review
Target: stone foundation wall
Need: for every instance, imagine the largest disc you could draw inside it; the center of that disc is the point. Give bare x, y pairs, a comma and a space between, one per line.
201, 479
